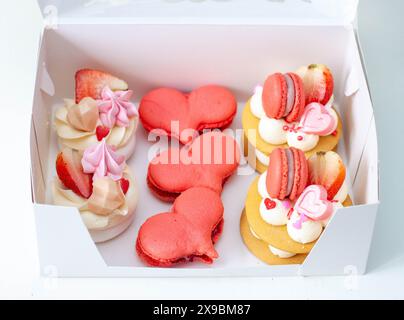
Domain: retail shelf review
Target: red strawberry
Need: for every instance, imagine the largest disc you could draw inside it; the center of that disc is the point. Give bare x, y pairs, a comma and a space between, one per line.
328, 170
70, 173
90, 83
318, 83
101, 132
124, 185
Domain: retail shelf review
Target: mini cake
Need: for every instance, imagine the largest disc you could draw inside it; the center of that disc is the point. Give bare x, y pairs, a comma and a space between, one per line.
183, 115
101, 109
291, 203
291, 110
100, 185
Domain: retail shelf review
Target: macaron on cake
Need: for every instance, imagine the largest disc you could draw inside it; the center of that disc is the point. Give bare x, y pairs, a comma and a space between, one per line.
182, 115
290, 204
187, 233
100, 185
207, 162
101, 109
291, 110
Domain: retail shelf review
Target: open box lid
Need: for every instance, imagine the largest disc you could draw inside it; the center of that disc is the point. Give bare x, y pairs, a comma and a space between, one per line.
282, 12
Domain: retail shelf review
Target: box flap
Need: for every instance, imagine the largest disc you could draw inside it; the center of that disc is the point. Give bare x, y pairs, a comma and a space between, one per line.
295, 12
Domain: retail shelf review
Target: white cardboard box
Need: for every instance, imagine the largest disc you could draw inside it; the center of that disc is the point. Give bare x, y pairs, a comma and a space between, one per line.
185, 44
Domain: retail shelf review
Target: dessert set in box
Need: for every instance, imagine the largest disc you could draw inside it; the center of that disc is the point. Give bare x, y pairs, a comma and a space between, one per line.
186, 45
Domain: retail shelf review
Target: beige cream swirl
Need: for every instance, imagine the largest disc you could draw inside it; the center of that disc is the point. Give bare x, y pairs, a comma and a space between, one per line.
75, 139
93, 221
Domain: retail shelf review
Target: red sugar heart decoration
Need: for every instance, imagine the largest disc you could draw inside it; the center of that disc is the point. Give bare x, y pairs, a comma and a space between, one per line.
186, 233
207, 162
101, 132
207, 107
269, 204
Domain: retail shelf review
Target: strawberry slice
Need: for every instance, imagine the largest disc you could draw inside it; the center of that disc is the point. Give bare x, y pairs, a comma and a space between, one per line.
328, 170
124, 185
318, 83
90, 83
70, 173
101, 132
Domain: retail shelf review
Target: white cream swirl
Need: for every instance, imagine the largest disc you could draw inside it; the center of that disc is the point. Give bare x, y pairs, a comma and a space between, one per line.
281, 253
276, 215
256, 106
308, 232
301, 140
272, 130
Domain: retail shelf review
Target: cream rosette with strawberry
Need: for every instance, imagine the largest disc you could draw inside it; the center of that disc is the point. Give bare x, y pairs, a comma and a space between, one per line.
291, 203
101, 185
102, 109
292, 110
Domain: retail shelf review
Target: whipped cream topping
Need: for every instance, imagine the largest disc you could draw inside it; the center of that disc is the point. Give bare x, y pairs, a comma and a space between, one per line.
262, 185
309, 230
274, 211
115, 108
272, 130
278, 131
301, 140
102, 160
65, 197
281, 253
257, 108
76, 139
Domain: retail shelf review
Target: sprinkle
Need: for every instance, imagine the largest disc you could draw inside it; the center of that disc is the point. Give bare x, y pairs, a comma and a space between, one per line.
290, 213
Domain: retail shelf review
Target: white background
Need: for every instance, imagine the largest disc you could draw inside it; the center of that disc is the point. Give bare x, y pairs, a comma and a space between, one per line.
381, 31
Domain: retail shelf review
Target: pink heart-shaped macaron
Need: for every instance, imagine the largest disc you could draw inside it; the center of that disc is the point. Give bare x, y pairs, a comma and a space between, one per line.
313, 203
317, 119
179, 114
187, 232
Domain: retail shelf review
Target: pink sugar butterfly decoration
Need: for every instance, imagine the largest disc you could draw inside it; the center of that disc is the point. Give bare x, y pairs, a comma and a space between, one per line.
317, 119
313, 203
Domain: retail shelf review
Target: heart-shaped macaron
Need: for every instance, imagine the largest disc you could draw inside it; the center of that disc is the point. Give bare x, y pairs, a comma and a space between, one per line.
186, 233
207, 162
313, 203
317, 119
179, 115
